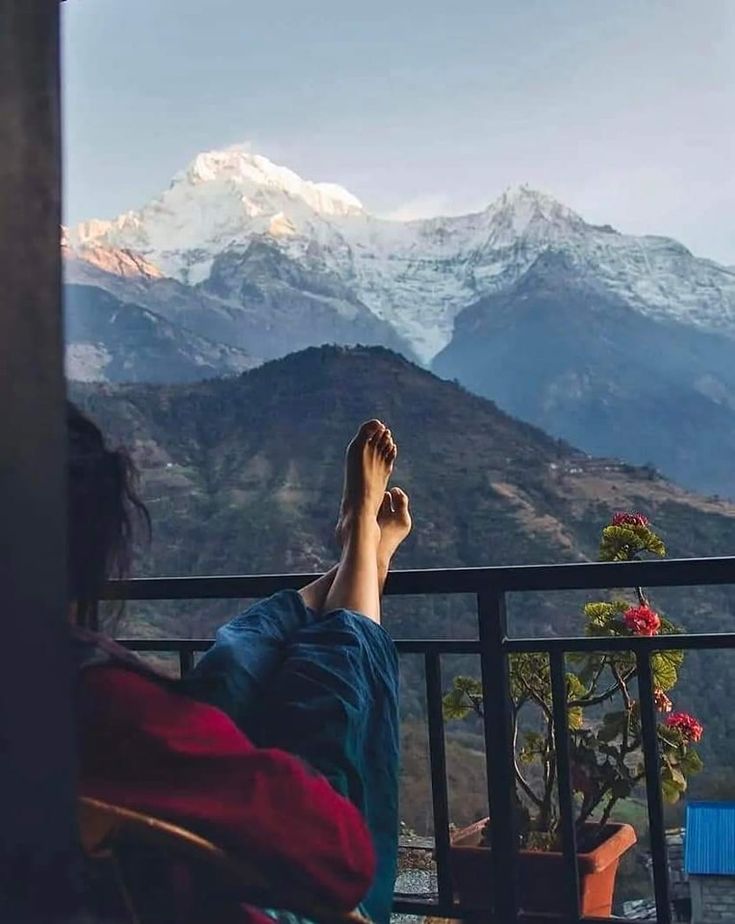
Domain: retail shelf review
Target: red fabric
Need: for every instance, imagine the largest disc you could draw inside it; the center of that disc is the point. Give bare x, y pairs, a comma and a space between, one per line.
145, 747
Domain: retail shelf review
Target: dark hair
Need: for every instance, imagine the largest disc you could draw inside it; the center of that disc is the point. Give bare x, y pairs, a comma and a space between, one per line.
103, 504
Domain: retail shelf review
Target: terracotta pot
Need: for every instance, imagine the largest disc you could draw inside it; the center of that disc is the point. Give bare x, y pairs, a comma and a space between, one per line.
542, 883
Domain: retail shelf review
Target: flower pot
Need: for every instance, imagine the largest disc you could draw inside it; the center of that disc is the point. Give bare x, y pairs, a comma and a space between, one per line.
542, 879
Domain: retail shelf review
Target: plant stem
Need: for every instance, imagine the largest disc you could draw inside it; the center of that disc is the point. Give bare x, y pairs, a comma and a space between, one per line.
585, 813
549, 779
535, 697
595, 700
612, 801
522, 782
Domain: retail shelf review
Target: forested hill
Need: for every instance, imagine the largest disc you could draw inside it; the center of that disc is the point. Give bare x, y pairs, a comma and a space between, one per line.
243, 475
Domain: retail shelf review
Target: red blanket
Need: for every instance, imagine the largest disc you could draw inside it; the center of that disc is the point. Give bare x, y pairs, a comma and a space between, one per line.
146, 747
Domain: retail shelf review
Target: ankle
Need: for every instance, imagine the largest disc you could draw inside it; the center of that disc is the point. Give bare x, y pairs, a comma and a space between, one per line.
360, 525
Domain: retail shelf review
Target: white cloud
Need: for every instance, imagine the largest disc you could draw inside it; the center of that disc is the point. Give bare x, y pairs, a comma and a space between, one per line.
428, 205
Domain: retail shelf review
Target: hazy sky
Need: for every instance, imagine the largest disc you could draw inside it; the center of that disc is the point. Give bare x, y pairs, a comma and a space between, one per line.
623, 109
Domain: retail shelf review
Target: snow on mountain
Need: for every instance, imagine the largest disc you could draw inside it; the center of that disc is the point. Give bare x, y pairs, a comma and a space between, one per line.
221, 201
418, 275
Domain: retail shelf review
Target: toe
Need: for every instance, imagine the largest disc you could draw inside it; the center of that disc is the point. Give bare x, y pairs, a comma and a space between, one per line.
399, 499
371, 430
386, 508
384, 443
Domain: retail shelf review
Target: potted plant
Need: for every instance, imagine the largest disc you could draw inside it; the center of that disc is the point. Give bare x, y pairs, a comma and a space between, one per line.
605, 747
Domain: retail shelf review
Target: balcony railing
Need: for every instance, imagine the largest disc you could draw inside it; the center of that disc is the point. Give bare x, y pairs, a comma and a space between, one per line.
493, 645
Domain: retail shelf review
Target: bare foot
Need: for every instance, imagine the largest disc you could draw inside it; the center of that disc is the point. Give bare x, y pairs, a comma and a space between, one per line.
368, 465
394, 520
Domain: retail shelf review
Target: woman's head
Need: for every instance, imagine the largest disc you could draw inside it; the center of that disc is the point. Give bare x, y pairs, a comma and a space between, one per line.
103, 503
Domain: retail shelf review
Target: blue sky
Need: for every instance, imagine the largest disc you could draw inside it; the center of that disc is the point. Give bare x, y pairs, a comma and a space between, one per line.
624, 111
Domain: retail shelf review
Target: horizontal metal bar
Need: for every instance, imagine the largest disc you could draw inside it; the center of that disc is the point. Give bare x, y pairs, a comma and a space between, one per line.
622, 643
437, 646
695, 641
428, 909
405, 905
513, 578
404, 646
166, 644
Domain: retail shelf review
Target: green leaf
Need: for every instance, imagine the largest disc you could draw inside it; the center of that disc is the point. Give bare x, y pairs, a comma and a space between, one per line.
575, 687
456, 706
534, 746
624, 543
673, 783
603, 617
664, 666
670, 792
670, 738
469, 685
533, 739
612, 725
678, 777
464, 697
691, 762
598, 611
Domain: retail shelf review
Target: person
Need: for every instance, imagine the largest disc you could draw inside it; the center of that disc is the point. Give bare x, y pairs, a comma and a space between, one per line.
282, 744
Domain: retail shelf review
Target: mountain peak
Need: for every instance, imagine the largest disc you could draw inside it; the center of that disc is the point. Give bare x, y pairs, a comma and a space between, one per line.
521, 206
250, 172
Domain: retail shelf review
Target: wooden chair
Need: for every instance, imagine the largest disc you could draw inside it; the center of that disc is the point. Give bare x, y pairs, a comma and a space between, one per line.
149, 871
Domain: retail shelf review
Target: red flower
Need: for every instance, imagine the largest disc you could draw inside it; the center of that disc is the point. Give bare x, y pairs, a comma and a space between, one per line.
689, 727
642, 620
630, 519
662, 701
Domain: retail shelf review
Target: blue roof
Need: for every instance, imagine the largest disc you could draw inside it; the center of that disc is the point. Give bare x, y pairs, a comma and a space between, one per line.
709, 841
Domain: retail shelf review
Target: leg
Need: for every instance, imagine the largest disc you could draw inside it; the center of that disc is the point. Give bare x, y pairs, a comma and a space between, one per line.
394, 521
334, 703
234, 673
356, 584
315, 594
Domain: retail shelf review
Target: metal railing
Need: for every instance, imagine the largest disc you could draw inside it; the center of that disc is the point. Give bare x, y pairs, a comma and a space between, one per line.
493, 645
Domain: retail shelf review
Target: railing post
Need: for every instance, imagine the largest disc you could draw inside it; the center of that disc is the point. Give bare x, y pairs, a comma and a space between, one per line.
497, 708
37, 773
564, 781
653, 788
186, 661
438, 762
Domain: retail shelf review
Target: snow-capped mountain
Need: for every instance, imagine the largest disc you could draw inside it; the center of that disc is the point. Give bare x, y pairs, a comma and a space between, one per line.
624, 345
570, 356
415, 276
220, 202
